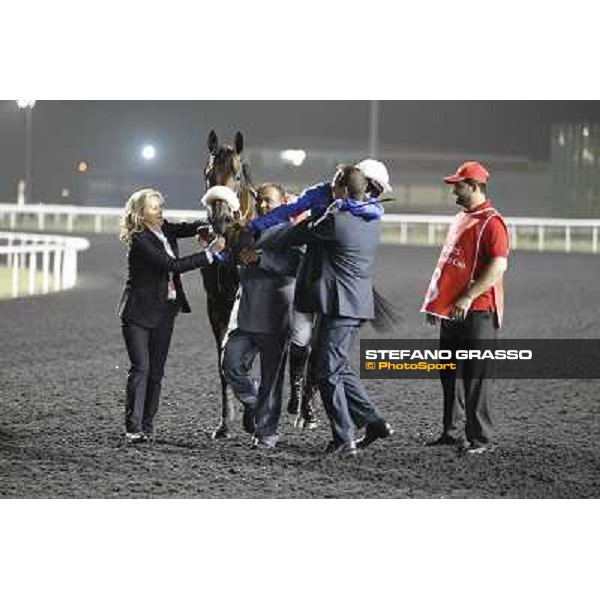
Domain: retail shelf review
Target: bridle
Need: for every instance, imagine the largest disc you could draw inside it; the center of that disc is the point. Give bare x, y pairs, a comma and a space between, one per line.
223, 153
238, 172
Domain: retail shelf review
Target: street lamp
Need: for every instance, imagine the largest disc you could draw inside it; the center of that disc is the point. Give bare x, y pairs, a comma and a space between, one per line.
373, 128
148, 152
27, 106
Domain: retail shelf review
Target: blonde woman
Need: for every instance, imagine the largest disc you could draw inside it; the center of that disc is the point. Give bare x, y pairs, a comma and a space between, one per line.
152, 297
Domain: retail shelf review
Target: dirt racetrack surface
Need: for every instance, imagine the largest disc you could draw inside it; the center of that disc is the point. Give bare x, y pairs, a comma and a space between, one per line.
63, 369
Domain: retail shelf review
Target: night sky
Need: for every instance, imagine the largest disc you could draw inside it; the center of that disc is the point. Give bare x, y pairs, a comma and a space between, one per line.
109, 134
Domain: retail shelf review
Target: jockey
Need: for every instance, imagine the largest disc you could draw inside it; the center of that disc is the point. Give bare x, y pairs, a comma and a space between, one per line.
319, 197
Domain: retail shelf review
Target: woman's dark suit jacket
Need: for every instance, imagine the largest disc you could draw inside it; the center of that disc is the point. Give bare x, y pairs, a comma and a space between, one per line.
144, 298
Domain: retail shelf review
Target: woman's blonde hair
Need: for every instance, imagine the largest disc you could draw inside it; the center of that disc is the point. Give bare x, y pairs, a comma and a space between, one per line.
132, 220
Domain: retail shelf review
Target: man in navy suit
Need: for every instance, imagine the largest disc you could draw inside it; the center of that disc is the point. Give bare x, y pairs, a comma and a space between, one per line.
341, 292
267, 279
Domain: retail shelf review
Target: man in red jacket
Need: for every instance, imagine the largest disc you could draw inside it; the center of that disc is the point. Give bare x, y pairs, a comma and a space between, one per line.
466, 293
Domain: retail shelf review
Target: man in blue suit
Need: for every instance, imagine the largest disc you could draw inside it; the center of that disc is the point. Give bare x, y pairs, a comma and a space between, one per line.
341, 293
267, 280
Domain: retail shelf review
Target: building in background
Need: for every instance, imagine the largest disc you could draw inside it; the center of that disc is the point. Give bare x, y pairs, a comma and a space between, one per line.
518, 186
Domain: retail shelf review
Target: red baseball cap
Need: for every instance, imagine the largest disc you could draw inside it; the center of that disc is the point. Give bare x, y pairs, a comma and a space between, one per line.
469, 170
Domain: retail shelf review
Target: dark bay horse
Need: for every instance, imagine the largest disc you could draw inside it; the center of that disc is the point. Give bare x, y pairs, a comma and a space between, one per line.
225, 167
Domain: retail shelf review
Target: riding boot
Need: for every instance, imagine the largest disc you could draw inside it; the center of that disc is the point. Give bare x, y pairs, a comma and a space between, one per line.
307, 408
298, 358
307, 418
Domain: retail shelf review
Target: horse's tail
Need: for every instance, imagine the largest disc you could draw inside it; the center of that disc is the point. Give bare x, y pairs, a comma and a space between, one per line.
387, 316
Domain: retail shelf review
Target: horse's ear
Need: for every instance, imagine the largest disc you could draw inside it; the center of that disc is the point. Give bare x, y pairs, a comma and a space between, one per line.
239, 142
213, 141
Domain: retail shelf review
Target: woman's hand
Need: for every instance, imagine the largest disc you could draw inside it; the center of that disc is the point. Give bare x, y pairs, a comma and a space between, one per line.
204, 235
217, 245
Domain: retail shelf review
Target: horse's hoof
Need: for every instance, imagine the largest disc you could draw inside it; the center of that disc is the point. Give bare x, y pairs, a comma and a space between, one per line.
221, 433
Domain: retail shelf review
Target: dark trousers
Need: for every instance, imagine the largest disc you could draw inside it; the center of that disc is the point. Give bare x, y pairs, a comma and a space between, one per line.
345, 400
265, 400
147, 350
477, 332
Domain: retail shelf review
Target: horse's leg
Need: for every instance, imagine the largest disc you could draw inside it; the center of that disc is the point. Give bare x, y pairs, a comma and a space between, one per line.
219, 322
227, 405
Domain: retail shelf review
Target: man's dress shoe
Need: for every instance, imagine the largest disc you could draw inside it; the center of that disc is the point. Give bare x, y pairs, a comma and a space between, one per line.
377, 430
343, 448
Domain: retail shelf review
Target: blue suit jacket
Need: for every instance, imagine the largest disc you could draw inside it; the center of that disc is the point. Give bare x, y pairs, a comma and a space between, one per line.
338, 279
268, 287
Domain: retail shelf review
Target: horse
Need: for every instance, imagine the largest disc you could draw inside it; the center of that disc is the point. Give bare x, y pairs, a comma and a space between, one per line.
225, 167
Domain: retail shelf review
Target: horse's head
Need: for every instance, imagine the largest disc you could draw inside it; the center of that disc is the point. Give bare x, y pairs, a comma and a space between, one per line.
225, 167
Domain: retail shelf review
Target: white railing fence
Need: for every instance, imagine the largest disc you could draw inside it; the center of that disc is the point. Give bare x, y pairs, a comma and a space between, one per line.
529, 233
72, 218
563, 235
50, 261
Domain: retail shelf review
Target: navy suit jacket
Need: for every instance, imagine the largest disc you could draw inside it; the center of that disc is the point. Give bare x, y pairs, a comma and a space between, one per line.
337, 279
268, 287
144, 298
